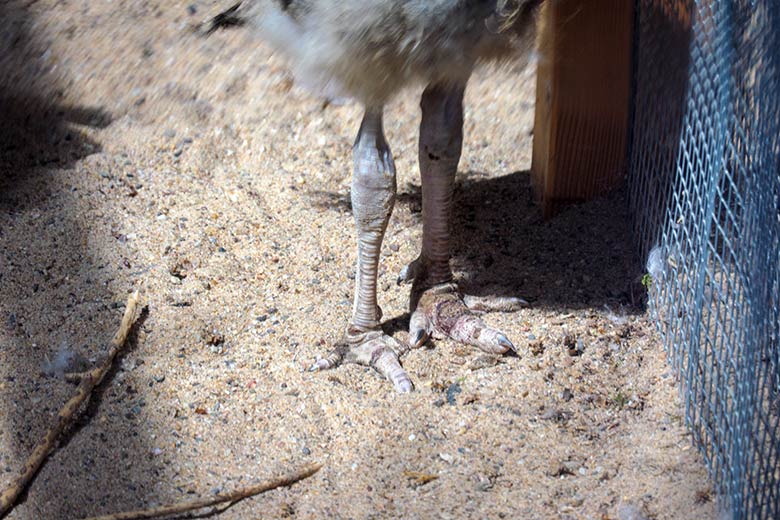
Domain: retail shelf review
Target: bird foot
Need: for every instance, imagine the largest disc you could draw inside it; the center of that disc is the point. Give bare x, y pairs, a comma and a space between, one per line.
369, 348
441, 312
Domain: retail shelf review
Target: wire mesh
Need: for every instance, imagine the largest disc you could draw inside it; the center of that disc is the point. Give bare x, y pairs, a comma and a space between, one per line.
705, 194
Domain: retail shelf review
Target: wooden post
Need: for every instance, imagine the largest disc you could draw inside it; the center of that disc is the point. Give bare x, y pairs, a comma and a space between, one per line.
582, 100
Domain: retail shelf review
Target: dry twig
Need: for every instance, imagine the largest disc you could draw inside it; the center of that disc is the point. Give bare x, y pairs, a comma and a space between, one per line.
89, 381
221, 498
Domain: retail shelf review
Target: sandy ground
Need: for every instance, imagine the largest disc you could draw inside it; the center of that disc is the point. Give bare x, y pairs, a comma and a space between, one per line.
136, 154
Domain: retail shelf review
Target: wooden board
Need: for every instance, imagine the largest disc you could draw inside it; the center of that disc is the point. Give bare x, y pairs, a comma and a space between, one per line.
582, 100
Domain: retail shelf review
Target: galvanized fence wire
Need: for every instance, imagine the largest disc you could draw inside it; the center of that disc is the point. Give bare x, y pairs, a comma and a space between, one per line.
704, 185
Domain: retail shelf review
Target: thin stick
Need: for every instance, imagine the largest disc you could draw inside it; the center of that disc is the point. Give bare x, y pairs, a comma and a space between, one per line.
89, 381
200, 503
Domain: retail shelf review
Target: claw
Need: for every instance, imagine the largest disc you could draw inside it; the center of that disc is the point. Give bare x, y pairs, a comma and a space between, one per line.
409, 272
332, 360
504, 342
322, 364
385, 361
404, 387
418, 330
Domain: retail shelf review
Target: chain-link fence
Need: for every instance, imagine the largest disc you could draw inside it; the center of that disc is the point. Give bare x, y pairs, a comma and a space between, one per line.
705, 191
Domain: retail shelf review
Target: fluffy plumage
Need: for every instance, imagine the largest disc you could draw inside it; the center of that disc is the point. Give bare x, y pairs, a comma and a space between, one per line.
369, 49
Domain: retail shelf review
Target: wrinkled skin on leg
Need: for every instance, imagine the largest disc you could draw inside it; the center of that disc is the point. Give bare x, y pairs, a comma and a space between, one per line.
373, 196
437, 308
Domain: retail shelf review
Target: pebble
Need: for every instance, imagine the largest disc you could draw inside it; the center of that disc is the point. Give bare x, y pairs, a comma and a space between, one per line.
536, 348
484, 361
306, 451
453, 390
628, 511
574, 347
484, 483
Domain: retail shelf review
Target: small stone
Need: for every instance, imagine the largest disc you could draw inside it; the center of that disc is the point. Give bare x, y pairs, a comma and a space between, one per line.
181, 268
629, 511
536, 348
484, 361
212, 336
574, 347
453, 390
484, 483
306, 451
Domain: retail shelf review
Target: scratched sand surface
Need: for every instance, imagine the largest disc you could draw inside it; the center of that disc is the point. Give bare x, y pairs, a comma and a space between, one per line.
188, 168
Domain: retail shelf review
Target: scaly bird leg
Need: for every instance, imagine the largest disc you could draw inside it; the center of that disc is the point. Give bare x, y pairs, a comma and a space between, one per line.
373, 196
437, 307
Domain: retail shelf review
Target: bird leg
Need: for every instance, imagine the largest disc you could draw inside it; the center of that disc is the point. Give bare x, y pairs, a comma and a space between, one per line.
437, 307
373, 196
